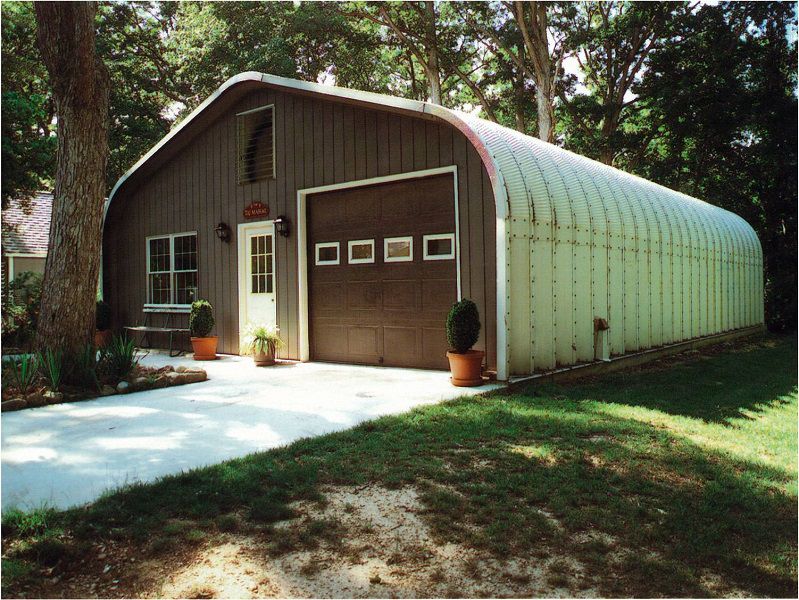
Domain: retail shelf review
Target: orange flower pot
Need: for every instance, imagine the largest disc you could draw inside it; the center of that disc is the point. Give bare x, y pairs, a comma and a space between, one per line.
204, 347
466, 368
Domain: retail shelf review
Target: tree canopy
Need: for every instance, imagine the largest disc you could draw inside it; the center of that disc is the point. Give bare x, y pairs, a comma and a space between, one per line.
698, 97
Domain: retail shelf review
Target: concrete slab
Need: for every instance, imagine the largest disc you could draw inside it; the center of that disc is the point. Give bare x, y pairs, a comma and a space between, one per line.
68, 454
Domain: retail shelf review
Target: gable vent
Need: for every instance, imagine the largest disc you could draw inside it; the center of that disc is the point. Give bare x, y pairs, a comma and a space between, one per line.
256, 144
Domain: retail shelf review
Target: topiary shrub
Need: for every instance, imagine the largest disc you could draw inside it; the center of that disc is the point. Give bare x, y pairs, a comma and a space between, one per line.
201, 319
463, 326
103, 315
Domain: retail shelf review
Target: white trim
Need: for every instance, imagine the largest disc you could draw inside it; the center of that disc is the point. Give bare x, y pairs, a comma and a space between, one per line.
438, 236
171, 270
302, 237
241, 277
321, 245
274, 147
394, 240
360, 261
167, 308
25, 254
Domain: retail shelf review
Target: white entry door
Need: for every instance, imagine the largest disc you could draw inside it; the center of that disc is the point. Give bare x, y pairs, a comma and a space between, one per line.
257, 274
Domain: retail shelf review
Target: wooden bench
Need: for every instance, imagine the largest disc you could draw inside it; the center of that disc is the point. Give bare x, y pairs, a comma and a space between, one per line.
166, 327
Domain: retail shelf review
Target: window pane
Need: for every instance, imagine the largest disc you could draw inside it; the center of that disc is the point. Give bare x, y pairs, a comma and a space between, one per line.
268, 264
186, 253
398, 249
159, 254
268, 284
185, 287
439, 247
327, 253
160, 288
361, 251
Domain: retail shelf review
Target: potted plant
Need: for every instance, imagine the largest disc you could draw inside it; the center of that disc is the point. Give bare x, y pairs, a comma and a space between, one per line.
201, 322
261, 341
102, 336
463, 329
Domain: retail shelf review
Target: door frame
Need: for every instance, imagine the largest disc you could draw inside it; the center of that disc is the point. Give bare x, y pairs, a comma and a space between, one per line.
241, 277
302, 235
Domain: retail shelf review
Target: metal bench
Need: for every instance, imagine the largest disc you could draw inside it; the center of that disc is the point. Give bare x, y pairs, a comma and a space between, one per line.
166, 327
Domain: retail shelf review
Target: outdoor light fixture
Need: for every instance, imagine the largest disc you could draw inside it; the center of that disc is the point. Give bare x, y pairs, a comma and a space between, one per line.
283, 225
223, 231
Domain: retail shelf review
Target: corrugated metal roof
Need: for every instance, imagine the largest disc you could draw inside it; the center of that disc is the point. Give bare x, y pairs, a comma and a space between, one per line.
27, 231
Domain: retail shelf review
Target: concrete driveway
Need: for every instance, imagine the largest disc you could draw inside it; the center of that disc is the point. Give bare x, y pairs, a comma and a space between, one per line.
68, 454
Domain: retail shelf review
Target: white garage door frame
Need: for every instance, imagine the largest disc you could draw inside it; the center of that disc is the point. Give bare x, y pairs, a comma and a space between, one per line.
302, 237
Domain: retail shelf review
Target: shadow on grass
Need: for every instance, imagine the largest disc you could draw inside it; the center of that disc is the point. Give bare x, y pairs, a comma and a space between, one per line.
524, 476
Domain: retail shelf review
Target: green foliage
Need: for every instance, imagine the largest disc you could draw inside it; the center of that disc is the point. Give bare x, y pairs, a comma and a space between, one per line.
201, 318
103, 315
21, 302
118, 359
463, 326
82, 368
23, 370
260, 338
51, 365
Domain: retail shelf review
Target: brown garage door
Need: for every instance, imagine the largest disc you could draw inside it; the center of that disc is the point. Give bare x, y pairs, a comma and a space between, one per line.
382, 273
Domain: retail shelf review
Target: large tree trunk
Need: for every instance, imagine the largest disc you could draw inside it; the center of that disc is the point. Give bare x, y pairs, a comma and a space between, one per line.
80, 84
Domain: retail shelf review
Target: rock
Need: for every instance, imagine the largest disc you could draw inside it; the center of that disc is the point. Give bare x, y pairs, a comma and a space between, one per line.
123, 387
140, 383
14, 404
194, 370
53, 397
375, 579
35, 399
176, 378
195, 376
181, 369
161, 381
107, 390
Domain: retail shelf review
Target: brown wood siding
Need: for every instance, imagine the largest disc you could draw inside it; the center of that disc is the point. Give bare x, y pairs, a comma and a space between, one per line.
318, 142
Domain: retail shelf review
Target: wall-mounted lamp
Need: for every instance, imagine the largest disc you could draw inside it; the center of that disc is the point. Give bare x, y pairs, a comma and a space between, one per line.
283, 225
223, 231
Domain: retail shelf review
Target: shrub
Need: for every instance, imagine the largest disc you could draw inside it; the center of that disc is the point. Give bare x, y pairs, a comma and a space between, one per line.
51, 366
118, 359
103, 315
463, 326
82, 368
21, 300
23, 371
201, 319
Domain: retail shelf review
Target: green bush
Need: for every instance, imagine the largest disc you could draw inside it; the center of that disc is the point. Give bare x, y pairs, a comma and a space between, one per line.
21, 301
51, 364
463, 326
23, 371
201, 319
103, 315
82, 368
118, 359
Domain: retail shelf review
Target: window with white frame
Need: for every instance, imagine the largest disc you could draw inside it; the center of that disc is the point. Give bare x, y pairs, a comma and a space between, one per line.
172, 269
398, 249
360, 251
439, 246
327, 253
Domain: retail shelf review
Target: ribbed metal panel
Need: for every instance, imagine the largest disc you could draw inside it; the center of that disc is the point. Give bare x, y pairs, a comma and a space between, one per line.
659, 265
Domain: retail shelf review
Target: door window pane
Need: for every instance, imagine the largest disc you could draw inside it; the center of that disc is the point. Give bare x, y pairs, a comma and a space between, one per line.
261, 265
398, 249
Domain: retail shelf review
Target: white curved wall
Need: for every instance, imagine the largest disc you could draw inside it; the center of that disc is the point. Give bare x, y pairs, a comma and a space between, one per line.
585, 240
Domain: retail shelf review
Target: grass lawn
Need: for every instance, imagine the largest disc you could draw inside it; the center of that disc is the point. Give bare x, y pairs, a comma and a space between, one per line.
675, 480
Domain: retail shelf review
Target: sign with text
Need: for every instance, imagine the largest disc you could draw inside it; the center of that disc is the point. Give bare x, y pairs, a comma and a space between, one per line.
256, 209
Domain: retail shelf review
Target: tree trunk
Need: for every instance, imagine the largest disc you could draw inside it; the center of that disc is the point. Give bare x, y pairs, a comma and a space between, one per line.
546, 115
433, 72
80, 84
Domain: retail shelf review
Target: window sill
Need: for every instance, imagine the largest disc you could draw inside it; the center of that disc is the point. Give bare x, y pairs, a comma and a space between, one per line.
167, 308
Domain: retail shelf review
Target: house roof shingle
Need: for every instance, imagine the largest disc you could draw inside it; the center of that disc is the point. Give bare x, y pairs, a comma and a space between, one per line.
28, 231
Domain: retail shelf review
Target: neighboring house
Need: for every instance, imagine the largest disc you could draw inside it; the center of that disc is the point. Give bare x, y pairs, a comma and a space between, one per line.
25, 235
353, 221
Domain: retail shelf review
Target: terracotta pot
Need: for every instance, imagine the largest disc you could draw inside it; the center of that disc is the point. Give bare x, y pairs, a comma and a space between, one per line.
204, 347
102, 338
264, 359
466, 368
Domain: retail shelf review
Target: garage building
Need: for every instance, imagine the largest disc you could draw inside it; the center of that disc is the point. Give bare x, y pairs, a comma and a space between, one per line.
354, 220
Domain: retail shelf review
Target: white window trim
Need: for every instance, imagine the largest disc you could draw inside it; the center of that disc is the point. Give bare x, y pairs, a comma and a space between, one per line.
171, 305
404, 238
360, 261
438, 236
321, 245
274, 135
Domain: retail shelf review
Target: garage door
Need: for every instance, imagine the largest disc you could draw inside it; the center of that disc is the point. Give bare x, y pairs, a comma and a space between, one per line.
382, 273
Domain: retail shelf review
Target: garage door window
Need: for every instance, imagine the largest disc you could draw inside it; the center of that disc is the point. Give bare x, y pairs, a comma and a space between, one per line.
327, 253
361, 251
398, 249
439, 246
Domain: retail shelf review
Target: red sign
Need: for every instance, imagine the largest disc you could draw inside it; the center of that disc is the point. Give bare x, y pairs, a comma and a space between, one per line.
256, 209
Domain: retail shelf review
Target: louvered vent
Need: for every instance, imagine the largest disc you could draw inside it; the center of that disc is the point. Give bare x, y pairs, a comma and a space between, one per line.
256, 144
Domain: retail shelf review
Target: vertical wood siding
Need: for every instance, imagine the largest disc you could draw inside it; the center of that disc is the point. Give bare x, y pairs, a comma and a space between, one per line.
318, 142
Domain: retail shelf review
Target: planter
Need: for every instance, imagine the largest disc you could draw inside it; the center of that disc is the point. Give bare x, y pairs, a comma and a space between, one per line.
102, 338
466, 368
204, 347
264, 359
